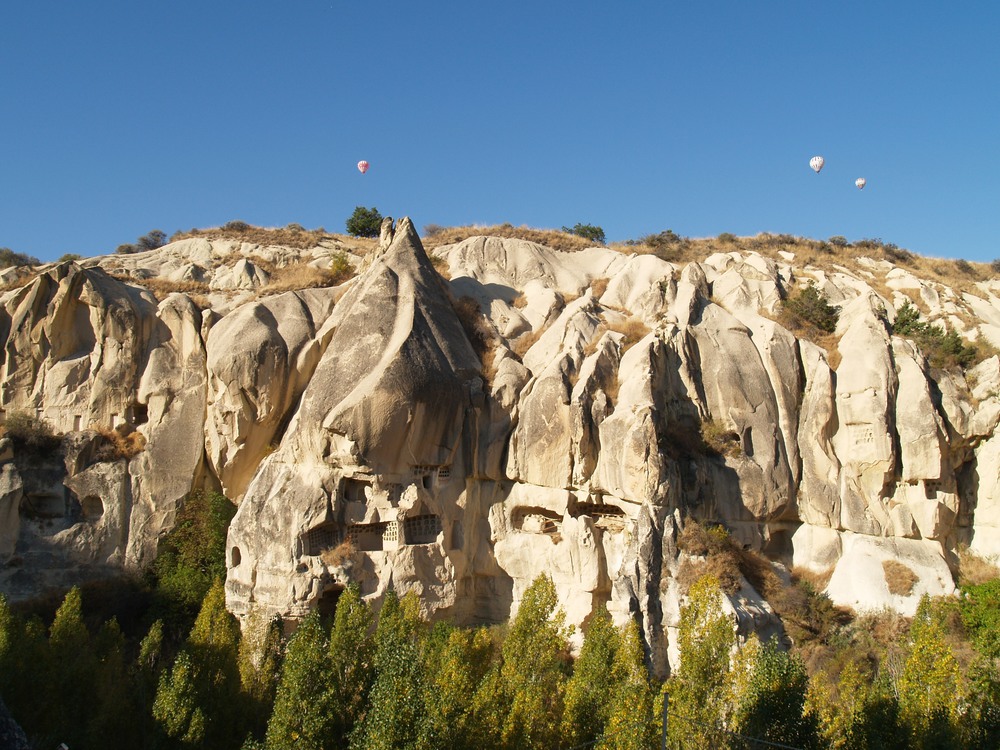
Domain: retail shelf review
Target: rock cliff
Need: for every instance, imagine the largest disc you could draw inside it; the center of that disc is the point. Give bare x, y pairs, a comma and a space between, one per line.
384, 432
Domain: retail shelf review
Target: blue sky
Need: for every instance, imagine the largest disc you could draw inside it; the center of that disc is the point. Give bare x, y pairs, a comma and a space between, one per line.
124, 116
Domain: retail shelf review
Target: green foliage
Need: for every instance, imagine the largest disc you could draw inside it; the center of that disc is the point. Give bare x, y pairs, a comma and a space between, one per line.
520, 702
341, 268
929, 686
150, 241
980, 609
9, 258
591, 688
199, 702
630, 724
456, 661
364, 222
588, 232
259, 661
768, 689
812, 306
394, 715
838, 240
943, 349
69, 256
191, 556
304, 705
351, 662
698, 692
727, 238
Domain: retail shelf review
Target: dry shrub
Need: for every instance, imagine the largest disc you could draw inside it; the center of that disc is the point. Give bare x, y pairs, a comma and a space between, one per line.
30, 432
553, 238
720, 440
293, 236
520, 301
599, 286
723, 567
899, 578
974, 570
720, 557
122, 442
341, 555
478, 330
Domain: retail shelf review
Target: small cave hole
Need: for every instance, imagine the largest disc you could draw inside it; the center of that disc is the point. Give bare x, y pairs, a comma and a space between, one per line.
237, 558
92, 507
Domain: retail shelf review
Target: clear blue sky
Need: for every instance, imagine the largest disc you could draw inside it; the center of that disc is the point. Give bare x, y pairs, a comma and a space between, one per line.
122, 116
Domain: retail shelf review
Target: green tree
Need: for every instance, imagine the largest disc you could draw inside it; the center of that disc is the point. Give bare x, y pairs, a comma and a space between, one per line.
9, 258
177, 706
980, 609
631, 724
199, 702
520, 703
190, 557
259, 660
304, 705
768, 691
590, 690
351, 657
456, 661
588, 232
930, 687
394, 714
364, 222
698, 692
811, 305
863, 715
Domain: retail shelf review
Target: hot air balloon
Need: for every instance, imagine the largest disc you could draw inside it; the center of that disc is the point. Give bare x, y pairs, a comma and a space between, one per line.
860, 183
816, 163
362, 166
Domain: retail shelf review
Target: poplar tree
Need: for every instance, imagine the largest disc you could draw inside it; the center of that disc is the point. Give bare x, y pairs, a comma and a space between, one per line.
631, 724
351, 658
394, 714
697, 693
304, 706
590, 690
520, 703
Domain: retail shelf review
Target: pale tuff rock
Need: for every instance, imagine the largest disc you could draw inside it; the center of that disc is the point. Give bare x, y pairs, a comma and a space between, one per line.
365, 441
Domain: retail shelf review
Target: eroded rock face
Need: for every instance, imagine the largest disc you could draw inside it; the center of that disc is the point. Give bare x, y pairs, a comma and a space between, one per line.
365, 441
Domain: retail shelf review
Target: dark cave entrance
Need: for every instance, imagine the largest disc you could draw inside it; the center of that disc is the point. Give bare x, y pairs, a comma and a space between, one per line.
327, 603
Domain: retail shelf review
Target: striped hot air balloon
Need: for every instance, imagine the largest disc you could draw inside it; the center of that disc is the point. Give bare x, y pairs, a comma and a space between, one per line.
362, 166
816, 163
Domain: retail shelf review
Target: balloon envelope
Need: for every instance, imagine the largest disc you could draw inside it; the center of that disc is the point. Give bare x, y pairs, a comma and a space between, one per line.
816, 163
861, 182
362, 166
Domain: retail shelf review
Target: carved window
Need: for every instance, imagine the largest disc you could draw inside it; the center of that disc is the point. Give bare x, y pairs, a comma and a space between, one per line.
422, 529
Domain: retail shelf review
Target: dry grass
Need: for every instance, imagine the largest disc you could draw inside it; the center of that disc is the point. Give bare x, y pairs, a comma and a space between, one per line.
122, 442
899, 578
339, 556
599, 287
163, 288
525, 341
301, 275
974, 570
632, 329
553, 238
520, 301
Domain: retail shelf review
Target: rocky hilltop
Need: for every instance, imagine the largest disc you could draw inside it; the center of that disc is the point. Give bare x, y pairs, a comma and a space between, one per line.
460, 422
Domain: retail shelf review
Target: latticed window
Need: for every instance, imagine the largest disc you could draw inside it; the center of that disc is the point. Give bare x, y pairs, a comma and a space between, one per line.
319, 538
422, 529
444, 472
367, 537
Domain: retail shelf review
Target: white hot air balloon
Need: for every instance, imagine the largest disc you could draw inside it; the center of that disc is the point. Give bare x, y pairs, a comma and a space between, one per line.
362, 166
816, 163
860, 183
